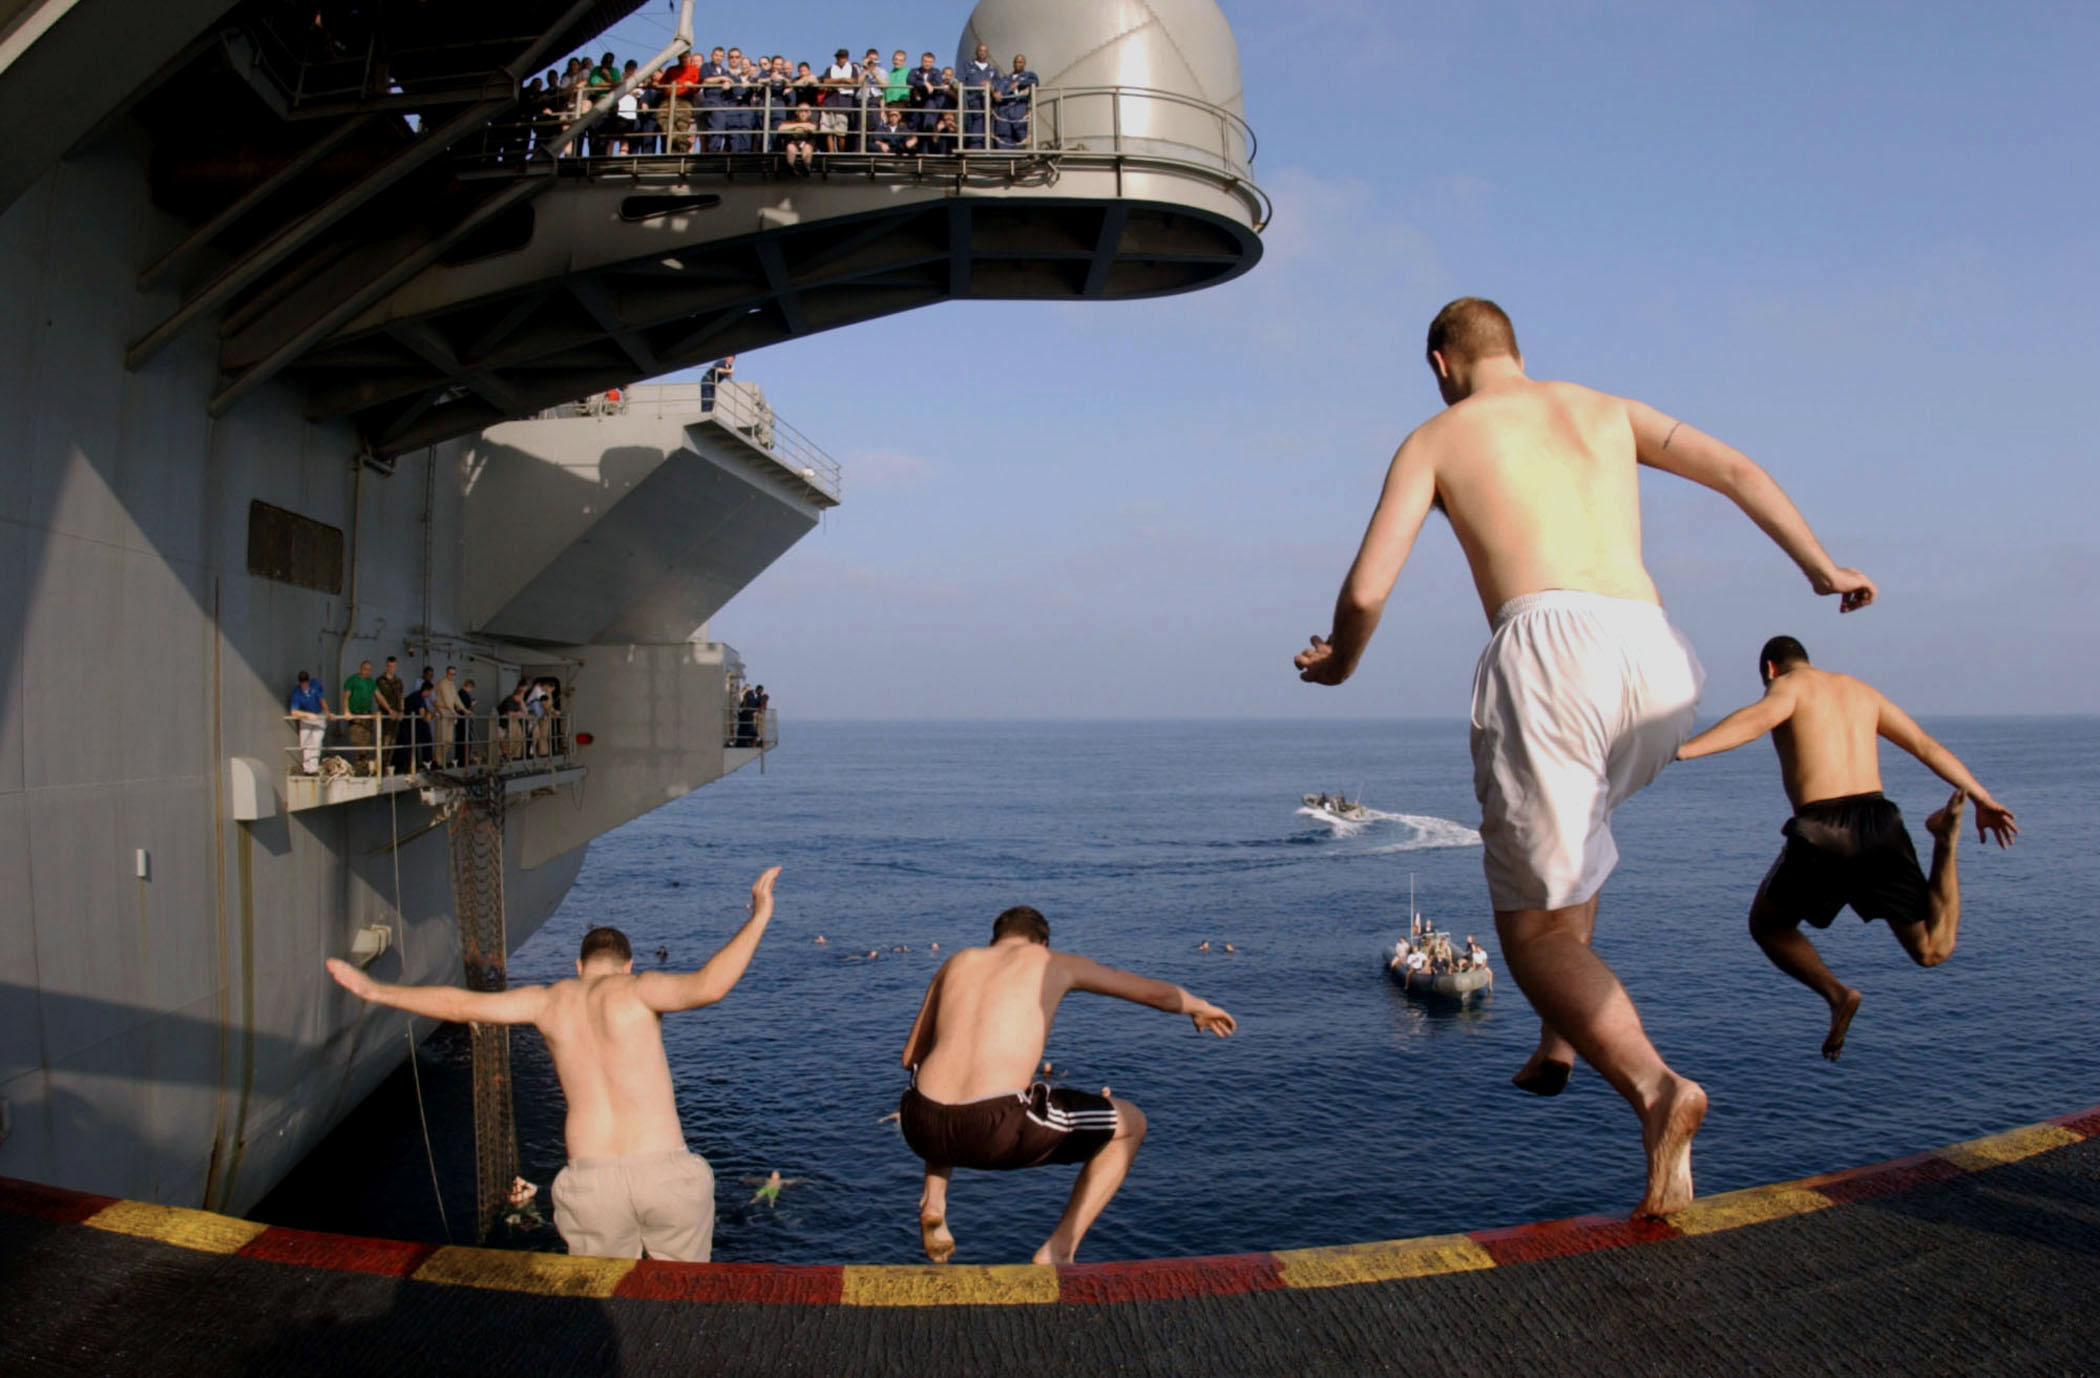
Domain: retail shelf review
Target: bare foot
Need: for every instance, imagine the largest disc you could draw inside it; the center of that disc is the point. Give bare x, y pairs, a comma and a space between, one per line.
1666, 1132
1945, 824
1048, 1256
935, 1239
1543, 1076
1840, 1020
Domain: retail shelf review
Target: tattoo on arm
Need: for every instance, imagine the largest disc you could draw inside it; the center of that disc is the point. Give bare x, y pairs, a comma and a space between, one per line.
1671, 436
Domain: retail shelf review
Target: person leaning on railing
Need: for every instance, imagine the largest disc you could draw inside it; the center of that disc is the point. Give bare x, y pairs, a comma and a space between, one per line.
1015, 94
978, 76
308, 709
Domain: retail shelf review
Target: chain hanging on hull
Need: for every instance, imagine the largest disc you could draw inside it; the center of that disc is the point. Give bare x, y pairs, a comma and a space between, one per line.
476, 832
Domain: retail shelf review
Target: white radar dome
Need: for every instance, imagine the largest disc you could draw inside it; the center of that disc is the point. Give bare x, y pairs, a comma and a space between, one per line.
1182, 49
1182, 46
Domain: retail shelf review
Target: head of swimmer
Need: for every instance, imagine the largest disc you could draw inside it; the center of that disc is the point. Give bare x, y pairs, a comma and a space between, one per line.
605, 951
1023, 923
1471, 339
1781, 654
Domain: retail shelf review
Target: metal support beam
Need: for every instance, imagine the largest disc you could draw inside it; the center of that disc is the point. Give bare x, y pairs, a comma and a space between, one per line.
958, 248
250, 267
526, 307
598, 301
255, 196
422, 339
785, 297
1112, 222
349, 308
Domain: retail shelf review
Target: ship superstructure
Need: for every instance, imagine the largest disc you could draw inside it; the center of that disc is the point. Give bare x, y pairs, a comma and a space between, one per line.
314, 365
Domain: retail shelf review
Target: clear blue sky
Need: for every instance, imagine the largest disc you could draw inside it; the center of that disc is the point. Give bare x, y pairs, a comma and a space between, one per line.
1860, 241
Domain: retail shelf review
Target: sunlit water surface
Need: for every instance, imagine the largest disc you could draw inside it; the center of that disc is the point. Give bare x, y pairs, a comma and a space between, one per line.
1342, 1111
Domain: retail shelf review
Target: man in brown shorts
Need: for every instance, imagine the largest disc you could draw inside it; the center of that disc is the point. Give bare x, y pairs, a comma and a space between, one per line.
631, 1185
973, 1052
1846, 843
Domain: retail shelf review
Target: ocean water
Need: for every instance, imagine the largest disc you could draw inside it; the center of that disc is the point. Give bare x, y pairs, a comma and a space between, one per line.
1342, 1111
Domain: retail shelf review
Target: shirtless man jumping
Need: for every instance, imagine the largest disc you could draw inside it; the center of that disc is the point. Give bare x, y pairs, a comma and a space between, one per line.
631, 1184
979, 1038
1585, 690
1846, 844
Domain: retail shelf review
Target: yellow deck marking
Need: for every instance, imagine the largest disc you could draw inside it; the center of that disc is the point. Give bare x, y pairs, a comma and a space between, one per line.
1006, 1284
200, 1230
1750, 1206
2009, 1147
1405, 1258
553, 1275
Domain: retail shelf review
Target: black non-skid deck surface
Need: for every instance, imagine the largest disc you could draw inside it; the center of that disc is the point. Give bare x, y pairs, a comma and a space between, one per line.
1996, 1272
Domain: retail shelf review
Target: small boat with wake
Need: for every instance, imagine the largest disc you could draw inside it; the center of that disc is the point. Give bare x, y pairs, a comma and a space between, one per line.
1338, 806
1428, 968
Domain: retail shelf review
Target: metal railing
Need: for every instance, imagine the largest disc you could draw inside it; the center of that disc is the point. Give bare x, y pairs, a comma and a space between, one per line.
382, 745
1107, 125
739, 408
749, 729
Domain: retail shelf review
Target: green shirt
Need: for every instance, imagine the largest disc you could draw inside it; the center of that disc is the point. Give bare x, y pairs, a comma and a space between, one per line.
899, 86
357, 694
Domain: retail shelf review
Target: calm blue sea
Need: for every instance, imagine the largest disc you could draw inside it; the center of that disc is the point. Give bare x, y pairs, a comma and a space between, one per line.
1341, 1112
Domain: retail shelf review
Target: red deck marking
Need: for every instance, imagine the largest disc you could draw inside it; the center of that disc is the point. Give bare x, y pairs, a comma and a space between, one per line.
1881, 1179
49, 1203
2085, 1124
766, 1283
1169, 1279
392, 1258
1560, 1238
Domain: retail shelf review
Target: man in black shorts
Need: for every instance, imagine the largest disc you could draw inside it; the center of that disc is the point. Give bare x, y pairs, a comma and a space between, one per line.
1846, 844
973, 1101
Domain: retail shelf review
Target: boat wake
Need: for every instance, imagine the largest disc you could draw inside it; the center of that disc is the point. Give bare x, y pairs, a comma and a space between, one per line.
1423, 830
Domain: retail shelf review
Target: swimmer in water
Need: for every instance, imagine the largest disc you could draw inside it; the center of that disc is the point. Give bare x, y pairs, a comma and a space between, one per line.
900, 948
933, 947
1230, 948
873, 955
663, 954
1203, 946
819, 940
769, 1187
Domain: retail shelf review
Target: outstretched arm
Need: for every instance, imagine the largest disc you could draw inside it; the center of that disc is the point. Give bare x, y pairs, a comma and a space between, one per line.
920, 1041
1082, 973
1992, 818
1410, 488
664, 993
1665, 443
1744, 725
519, 1005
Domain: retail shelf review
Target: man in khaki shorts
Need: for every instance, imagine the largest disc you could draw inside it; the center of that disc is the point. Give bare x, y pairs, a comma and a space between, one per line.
631, 1185
1585, 690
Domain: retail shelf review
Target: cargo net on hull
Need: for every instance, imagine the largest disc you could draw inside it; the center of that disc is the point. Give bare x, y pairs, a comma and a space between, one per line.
476, 832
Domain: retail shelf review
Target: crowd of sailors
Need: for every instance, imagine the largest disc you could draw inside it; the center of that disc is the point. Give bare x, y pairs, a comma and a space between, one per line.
727, 102
389, 726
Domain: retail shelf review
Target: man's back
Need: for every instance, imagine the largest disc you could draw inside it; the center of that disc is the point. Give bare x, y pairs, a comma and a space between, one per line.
1829, 744
1541, 483
608, 1050
992, 1011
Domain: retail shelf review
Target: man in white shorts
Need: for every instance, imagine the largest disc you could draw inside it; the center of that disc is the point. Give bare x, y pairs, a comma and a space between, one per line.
1585, 690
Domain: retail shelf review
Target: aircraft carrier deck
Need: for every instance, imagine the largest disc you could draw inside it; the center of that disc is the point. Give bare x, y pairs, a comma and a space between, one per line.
1981, 1258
